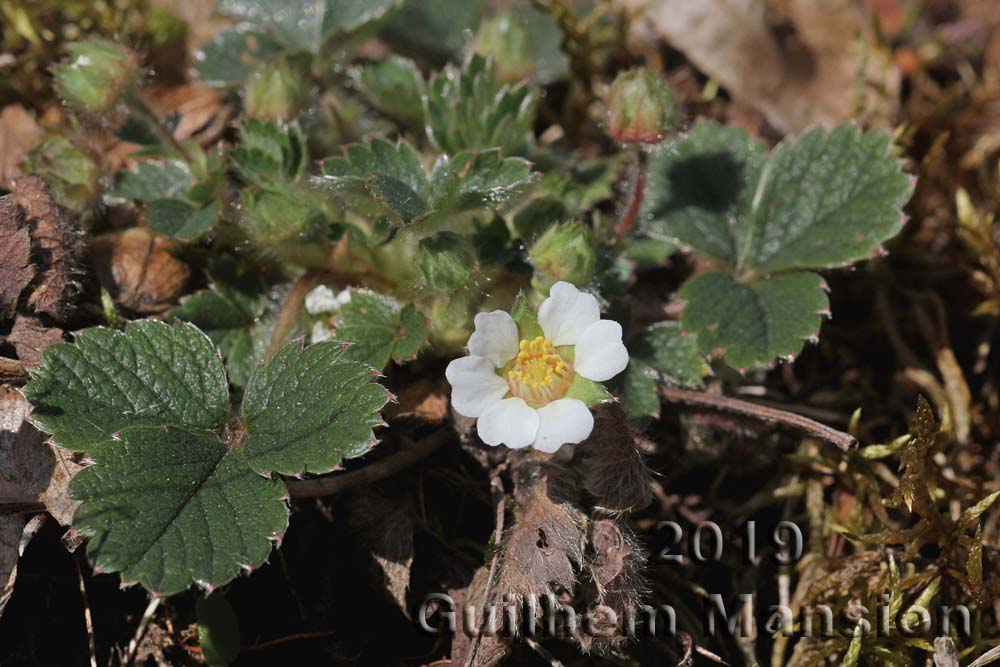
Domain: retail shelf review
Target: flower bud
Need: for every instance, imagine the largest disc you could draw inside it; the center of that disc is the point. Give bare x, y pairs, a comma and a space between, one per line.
96, 75
504, 39
446, 262
71, 174
275, 92
641, 107
564, 252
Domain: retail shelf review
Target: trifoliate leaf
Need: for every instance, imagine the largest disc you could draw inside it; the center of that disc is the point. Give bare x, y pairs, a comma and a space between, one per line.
826, 199
378, 329
469, 109
168, 505
181, 220
395, 87
309, 408
753, 323
151, 374
380, 178
228, 314
233, 55
434, 29
269, 153
154, 179
660, 353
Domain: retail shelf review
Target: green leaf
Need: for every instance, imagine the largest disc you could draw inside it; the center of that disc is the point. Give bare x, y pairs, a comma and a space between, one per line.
218, 630
269, 153
753, 323
468, 109
590, 392
181, 220
228, 314
306, 25
434, 29
660, 353
169, 505
824, 200
526, 318
698, 191
380, 178
379, 329
395, 87
309, 408
151, 374
233, 55
154, 179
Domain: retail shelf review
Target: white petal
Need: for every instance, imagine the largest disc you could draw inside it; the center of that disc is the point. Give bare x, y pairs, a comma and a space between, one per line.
563, 421
566, 313
600, 353
495, 337
510, 422
475, 386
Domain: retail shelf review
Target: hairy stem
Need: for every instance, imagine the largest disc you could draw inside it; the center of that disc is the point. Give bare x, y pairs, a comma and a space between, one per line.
631, 214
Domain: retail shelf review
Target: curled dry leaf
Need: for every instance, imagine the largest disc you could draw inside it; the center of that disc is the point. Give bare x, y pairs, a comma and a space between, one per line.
29, 469
613, 469
138, 269
795, 61
18, 134
387, 530
56, 241
201, 112
30, 336
423, 400
16, 270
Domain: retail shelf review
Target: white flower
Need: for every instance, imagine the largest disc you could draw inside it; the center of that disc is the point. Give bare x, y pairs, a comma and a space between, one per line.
517, 389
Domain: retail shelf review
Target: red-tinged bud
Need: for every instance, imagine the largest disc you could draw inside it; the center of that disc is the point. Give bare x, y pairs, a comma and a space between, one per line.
641, 107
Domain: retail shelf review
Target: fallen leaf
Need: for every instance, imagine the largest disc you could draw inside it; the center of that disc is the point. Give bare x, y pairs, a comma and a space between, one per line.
30, 336
139, 270
16, 270
18, 134
423, 400
56, 239
796, 61
31, 469
491, 649
201, 111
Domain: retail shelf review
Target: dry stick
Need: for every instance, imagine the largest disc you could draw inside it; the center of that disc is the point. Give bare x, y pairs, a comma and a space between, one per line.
133, 645
290, 311
12, 371
20, 505
289, 638
328, 486
790, 420
86, 612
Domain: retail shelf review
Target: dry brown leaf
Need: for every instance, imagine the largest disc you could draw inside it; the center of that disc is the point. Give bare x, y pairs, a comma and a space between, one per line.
423, 400
613, 469
30, 336
18, 134
31, 469
797, 61
491, 650
201, 111
16, 270
387, 530
56, 240
139, 270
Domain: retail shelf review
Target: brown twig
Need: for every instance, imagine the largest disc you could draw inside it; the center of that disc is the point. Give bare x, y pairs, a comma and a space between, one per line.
497, 487
289, 638
20, 505
133, 645
86, 611
780, 418
336, 483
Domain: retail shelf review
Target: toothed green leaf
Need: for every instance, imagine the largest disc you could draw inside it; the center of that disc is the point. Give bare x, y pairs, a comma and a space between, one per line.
181, 220
660, 353
154, 179
233, 55
395, 87
378, 329
310, 408
753, 323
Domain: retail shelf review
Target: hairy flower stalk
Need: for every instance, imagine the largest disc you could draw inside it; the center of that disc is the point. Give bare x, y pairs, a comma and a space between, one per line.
533, 382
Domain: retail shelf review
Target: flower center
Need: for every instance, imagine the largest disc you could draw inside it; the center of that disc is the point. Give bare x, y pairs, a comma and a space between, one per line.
539, 374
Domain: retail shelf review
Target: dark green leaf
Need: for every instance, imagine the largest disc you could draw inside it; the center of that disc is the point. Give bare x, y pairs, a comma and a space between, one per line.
270, 154
154, 179
233, 55
218, 630
395, 87
672, 353
434, 28
181, 220
753, 323
378, 329
309, 408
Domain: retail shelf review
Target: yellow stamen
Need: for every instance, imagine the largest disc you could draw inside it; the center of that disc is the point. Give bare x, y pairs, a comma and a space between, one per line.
539, 374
